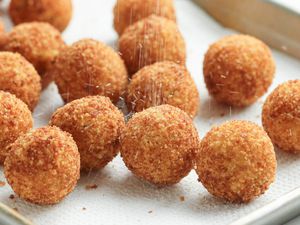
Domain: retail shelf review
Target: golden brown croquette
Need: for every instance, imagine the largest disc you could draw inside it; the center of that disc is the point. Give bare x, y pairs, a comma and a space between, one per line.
95, 124
43, 165
281, 116
150, 40
238, 69
19, 77
236, 161
159, 143
89, 67
38, 42
127, 12
58, 13
163, 83
15, 120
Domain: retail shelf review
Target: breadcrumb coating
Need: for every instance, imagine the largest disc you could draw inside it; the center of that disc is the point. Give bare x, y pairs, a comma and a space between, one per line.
159, 143
19, 77
236, 161
281, 116
127, 12
163, 83
95, 124
150, 40
43, 166
58, 13
89, 67
238, 69
2, 28
38, 42
15, 120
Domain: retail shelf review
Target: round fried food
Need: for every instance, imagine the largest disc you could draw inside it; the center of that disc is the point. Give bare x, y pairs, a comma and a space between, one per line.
89, 67
150, 40
19, 77
236, 161
163, 83
281, 116
95, 124
159, 143
58, 13
127, 12
15, 120
43, 166
38, 42
238, 69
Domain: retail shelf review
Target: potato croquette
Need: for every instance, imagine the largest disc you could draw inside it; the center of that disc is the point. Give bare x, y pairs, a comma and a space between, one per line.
236, 161
163, 83
150, 40
159, 143
38, 42
95, 124
89, 67
43, 166
281, 116
15, 120
58, 13
127, 12
238, 69
19, 77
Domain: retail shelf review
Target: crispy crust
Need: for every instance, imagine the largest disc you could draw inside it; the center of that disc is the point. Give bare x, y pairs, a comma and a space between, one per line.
19, 77
163, 83
127, 12
150, 40
58, 13
158, 144
95, 124
15, 120
43, 166
89, 67
238, 69
236, 161
281, 116
38, 42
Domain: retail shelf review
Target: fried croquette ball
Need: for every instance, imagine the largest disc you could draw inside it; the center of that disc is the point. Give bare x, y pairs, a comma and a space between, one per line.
281, 116
236, 161
153, 39
43, 166
238, 69
19, 77
163, 83
89, 67
38, 42
58, 13
15, 120
158, 145
127, 12
95, 124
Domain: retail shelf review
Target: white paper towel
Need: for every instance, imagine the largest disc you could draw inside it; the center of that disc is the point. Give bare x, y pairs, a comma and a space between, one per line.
120, 197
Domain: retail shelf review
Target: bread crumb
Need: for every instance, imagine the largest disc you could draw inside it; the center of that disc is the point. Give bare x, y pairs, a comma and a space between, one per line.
12, 196
150, 211
91, 186
2, 183
83, 208
182, 198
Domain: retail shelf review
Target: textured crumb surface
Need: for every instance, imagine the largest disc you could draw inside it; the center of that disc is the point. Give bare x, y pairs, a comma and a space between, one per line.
281, 116
15, 120
151, 40
236, 161
19, 77
127, 12
163, 83
38, 42
43, 166
95, 124
158, 145
58, 13
238, 69
89, 67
